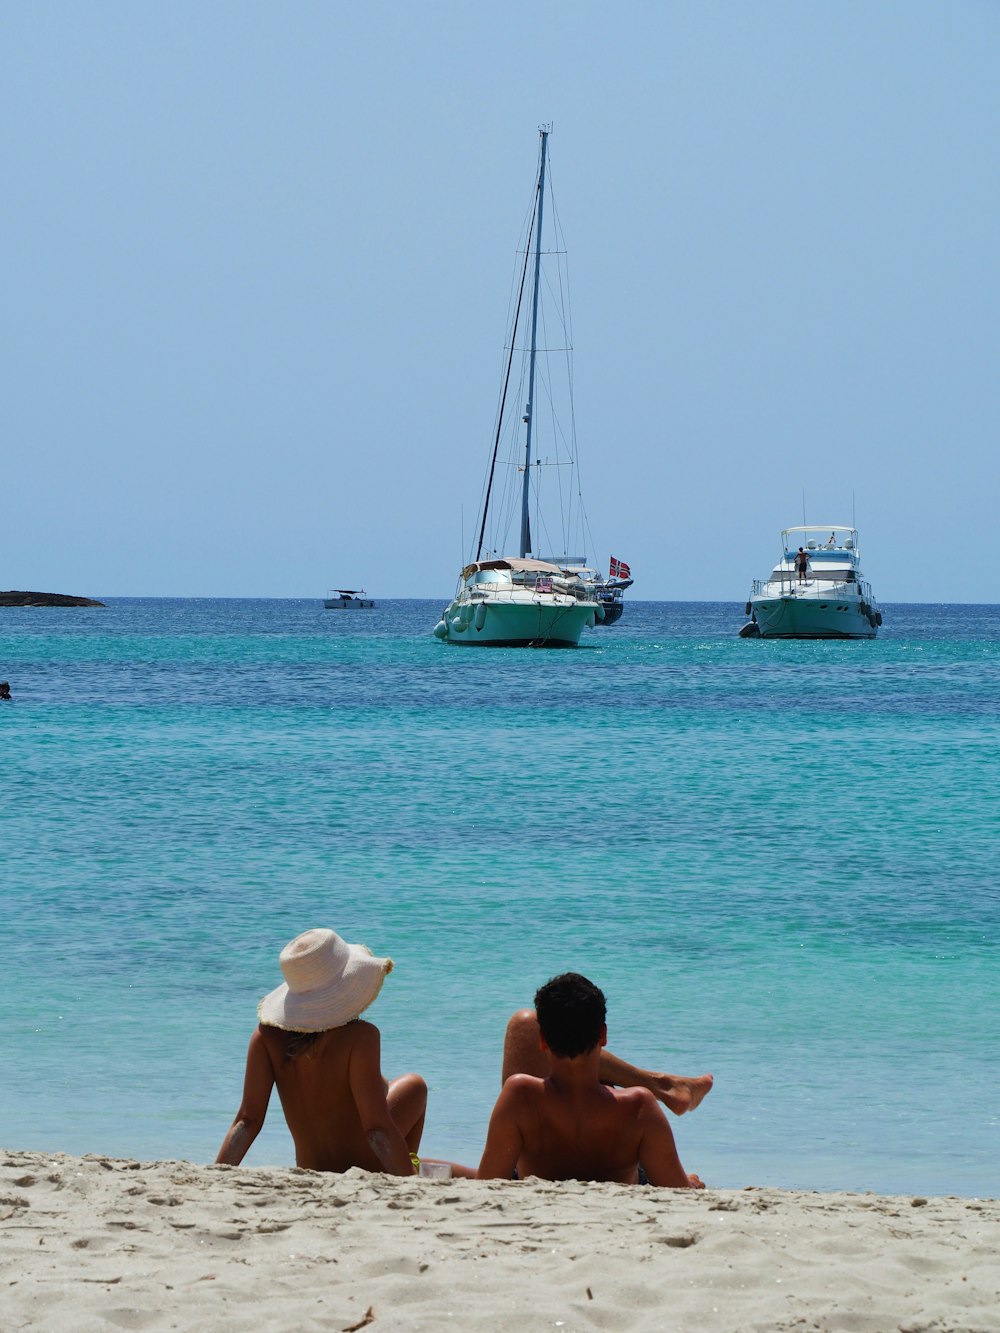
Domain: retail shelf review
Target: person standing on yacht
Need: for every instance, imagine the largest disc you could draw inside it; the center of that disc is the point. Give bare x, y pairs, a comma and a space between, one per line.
802, 564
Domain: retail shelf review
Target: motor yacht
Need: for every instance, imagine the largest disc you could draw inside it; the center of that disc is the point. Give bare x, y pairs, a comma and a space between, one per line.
816, 590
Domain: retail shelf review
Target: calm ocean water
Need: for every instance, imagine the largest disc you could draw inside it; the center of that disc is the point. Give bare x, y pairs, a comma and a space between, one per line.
780, 861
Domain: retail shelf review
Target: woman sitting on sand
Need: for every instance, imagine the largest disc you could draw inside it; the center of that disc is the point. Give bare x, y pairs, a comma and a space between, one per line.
325, 1060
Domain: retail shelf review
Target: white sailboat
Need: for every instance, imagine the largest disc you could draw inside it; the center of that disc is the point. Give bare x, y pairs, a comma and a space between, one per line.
529, 599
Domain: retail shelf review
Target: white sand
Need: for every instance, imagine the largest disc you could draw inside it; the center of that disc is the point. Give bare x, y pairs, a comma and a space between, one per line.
94, 1243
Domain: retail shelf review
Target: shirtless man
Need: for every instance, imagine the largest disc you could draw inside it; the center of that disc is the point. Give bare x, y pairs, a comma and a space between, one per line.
567, 1124
325, 1060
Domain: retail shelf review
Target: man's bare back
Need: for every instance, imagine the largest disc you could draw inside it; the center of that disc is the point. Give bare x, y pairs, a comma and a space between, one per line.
568, 1125
567, 1133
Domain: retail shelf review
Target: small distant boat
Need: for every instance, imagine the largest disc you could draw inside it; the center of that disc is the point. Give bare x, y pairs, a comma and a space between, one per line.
347, 599
815, 591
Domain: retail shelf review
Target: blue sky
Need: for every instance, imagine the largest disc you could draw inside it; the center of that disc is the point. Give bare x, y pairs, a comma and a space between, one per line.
257, 259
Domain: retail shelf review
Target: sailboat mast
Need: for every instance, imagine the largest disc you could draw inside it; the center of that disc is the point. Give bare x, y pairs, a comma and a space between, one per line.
529, 409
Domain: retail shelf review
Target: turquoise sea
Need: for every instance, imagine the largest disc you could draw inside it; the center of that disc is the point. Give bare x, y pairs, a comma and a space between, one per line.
781, 861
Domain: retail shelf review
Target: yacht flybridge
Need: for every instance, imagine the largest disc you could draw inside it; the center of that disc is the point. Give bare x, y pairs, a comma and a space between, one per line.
531, 599
816, 590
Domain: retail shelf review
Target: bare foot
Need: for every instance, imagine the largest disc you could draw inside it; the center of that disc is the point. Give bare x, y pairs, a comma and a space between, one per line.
682, 1094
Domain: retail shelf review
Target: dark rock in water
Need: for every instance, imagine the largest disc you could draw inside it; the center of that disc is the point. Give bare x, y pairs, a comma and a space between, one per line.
45, 599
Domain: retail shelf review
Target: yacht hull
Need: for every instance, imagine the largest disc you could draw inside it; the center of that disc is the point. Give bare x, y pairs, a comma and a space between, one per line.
809, 617
548, 623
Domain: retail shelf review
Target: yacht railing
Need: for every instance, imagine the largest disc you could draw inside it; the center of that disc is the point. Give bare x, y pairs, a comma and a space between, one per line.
789, 581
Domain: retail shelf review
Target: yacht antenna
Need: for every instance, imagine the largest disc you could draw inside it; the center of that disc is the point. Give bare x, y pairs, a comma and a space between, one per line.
854, 516
803, 506
540, 195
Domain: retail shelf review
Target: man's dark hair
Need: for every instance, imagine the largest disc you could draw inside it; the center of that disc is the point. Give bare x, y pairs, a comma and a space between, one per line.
571, 1013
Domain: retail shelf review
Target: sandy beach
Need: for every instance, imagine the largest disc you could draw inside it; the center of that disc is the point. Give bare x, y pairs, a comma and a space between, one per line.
94, 1243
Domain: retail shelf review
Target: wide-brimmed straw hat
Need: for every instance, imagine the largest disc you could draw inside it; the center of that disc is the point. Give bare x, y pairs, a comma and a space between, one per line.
328, 982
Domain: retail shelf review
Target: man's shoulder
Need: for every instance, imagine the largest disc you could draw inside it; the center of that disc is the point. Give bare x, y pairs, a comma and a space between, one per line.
519, 1096
639, 1102
519, 1087
641, 1096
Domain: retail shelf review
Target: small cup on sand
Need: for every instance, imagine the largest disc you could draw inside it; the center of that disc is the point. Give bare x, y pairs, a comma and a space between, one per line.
436, 1170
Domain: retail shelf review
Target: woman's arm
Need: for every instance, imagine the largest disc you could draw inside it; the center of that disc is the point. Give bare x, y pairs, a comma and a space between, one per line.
368, 1091
257, 1084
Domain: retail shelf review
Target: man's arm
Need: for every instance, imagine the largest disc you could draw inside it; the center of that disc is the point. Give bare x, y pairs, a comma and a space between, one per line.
257, 1084
676, 1093
368, 1091
504, 1139
657, 1150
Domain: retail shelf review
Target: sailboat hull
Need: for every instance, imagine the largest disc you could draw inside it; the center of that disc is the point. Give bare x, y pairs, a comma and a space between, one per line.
548, 623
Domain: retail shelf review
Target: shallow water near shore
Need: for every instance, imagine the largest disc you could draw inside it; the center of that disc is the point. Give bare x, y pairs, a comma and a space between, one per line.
780, 861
